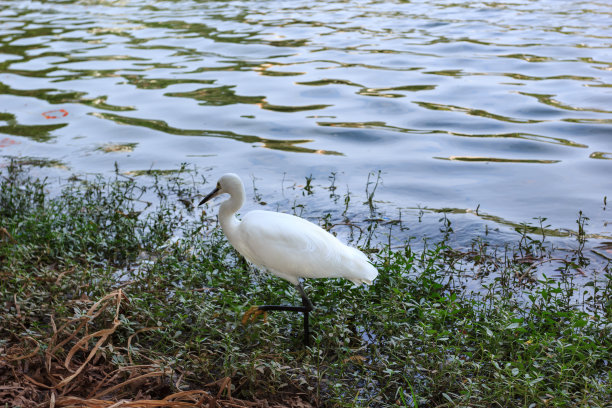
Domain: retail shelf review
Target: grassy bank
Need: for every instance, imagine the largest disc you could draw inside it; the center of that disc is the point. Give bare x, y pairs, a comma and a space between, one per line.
116, 290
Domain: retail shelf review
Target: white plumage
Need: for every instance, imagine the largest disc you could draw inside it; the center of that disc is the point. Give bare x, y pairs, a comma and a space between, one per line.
287, 246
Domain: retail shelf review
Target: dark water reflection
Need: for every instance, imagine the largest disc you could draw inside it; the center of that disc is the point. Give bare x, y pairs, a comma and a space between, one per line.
501, 106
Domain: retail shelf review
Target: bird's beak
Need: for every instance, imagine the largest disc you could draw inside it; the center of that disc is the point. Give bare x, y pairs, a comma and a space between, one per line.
212, 194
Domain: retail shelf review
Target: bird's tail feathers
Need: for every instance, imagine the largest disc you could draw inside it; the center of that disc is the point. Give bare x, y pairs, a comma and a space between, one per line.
362, 271
359, 281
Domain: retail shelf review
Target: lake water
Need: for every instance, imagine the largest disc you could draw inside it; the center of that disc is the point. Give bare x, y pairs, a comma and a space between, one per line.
497, 112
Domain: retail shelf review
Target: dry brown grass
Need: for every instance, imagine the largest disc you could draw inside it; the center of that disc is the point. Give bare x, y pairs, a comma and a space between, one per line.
69, 369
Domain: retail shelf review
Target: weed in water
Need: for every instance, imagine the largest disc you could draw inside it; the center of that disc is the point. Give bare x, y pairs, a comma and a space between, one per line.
308, 186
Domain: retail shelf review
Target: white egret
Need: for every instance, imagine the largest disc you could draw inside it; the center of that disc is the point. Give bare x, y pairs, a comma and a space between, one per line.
287, 246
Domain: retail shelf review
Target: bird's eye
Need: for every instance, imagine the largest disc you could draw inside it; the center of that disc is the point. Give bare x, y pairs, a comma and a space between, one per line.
218, 185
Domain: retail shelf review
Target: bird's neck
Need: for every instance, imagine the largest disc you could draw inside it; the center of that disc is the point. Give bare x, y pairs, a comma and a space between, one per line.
228, 209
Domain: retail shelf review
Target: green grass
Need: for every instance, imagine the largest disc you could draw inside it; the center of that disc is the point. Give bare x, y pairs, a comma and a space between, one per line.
417, 337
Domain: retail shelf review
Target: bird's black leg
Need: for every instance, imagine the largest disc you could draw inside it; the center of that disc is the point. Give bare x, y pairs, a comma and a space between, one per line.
306, 308
307, 305
305, 301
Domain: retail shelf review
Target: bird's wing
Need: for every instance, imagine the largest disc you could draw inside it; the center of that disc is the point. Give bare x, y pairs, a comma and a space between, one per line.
290, 246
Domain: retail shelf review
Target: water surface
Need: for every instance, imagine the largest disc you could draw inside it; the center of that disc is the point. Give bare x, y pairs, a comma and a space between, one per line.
499, 112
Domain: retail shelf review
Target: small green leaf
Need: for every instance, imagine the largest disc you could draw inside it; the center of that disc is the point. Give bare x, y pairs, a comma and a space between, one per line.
580, 323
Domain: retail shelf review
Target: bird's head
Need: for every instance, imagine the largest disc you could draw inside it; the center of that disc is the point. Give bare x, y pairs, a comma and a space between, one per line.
227, 184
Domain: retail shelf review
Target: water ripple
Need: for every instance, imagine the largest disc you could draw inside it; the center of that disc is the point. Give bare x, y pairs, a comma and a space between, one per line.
162, 126
447, 93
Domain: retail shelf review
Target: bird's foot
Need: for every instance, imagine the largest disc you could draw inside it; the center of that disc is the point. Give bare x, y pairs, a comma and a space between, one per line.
251, 315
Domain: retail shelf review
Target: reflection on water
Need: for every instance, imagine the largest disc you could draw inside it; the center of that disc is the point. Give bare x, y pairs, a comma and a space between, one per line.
502, 105
159, 125
39, 133
494, 159
382, 125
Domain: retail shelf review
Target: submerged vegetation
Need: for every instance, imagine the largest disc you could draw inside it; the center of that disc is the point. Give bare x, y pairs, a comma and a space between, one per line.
116, 290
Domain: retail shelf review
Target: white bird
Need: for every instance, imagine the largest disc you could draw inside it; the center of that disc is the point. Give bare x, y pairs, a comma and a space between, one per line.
287, 246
